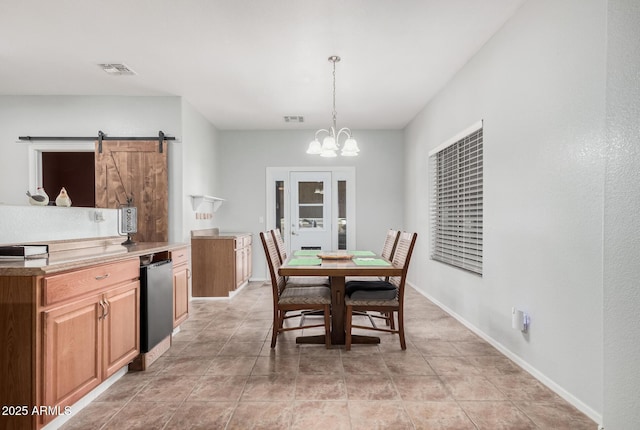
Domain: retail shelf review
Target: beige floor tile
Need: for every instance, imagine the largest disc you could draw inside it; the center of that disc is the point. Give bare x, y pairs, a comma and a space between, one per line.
421, 388
202, 416
453, 366
229, 365
142, 416
287, 364
556, 415
494, 415
318, 415
172, 388
378, 416
325, 365
370, 387
320, 387
218, 388
438, 416
261, 416
94, 415
274, 387
471, 387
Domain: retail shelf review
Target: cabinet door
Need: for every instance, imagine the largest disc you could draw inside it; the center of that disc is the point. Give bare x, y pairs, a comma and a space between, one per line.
180, 294
247, 263
121, 327
72, 351
240, 257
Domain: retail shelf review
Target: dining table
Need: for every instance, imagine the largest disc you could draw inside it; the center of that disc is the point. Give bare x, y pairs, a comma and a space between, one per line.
337, 266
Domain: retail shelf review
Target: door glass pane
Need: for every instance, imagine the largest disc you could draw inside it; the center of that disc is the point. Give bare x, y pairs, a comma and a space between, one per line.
310, 204
342, 214
280, 221
310, 192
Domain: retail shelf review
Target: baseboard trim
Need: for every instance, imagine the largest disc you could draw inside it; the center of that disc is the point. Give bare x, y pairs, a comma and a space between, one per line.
581, 406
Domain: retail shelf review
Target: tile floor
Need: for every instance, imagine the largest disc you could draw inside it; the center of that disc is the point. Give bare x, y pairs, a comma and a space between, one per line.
221, 373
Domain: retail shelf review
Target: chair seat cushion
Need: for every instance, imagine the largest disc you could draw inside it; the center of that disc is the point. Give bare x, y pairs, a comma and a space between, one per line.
392, 303
318, 295
370, 290
306, 281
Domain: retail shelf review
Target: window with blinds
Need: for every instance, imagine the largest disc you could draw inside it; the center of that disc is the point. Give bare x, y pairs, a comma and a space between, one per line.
456, 203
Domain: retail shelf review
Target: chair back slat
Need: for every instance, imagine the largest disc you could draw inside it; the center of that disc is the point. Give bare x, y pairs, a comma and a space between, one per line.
282, 251
390, 244
402, 256
273, 261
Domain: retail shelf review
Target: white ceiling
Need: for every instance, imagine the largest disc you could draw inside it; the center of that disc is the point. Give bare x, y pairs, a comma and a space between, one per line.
244, 64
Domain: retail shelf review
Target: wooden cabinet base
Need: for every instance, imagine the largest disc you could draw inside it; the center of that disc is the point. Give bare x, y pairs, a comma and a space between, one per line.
221, 263
146, 359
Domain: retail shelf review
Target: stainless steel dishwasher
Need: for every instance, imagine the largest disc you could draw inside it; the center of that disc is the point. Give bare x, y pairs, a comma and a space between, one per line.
156, 303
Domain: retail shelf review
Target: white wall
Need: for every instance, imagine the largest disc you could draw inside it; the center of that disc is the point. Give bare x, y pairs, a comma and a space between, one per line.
246, 155
622, 206
21, 224
539, 86
200, 170
79, 116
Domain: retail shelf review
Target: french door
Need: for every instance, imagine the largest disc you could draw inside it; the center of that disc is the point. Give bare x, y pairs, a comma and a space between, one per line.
314, 208
311, 210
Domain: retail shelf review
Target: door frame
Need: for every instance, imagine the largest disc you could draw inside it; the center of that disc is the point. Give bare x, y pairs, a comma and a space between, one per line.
338, 173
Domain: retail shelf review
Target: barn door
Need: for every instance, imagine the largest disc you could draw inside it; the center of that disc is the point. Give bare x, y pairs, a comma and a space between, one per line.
137, 170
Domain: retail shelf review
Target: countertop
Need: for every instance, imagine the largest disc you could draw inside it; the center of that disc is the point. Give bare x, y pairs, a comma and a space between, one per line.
69, 255
210, 234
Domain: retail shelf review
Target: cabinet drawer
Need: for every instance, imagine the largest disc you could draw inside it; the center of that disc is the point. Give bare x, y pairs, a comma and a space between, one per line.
57, 288
180, 256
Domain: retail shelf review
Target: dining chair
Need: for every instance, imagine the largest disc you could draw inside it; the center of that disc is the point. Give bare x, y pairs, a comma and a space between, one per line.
390, 243
291, 298
298, 281
386, 297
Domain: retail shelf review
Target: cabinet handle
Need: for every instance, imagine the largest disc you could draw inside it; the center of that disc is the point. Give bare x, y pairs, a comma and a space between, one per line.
102, 315
188, 273
107, 307
105, 276
180, 256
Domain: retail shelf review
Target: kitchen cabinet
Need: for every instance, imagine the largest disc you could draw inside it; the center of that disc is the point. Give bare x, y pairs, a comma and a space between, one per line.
91, 329
181, 274
87, 341
221, 262
63, 333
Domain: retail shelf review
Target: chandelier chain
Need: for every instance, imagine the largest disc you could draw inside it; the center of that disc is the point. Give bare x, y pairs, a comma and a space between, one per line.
334, 94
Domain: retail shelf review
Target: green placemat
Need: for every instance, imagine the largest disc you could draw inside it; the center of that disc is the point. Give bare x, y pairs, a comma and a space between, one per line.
312, 252
362, 253
370, 262
305, 262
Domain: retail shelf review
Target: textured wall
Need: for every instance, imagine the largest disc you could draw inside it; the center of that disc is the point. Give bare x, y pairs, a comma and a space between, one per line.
539, 86
621, 232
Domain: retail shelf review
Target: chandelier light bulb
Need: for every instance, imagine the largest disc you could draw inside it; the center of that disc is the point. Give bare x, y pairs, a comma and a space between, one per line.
314, 148
329, 144
328, 154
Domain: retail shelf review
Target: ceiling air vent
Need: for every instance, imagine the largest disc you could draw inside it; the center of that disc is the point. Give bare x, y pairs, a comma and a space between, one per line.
294, 118
116, 69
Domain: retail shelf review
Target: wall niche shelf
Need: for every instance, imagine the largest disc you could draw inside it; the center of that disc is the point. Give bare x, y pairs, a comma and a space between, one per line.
197, 200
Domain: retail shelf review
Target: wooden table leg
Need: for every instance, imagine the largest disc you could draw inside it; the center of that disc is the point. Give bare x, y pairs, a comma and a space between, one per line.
337, 319
337, 310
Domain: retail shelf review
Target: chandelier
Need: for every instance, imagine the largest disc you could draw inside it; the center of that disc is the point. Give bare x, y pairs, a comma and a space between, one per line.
331, 142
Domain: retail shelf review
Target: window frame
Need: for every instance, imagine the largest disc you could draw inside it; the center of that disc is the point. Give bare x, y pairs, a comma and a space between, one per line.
456, 169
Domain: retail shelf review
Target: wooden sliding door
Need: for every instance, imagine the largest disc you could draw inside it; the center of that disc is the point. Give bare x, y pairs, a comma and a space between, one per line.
136, 170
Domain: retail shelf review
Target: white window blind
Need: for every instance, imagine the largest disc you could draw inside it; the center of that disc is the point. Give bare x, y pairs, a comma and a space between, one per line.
456, 203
